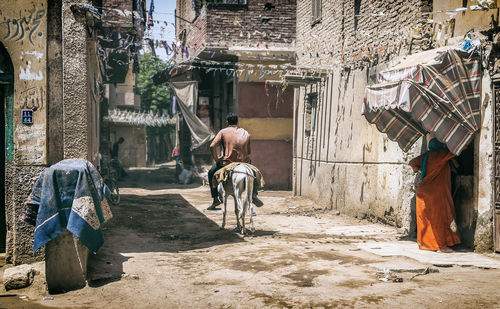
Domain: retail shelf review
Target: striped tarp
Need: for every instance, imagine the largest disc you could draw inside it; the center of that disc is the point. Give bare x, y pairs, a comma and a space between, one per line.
441, 98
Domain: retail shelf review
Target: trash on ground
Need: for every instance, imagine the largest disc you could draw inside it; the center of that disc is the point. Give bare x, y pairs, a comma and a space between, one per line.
388, 276
48, 298
22, 297
292, 207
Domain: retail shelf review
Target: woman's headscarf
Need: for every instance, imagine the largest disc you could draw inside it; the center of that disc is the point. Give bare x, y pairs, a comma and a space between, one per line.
434, 145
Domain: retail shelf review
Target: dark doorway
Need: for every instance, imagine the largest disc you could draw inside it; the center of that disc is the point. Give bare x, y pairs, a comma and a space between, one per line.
462, 179
6, 136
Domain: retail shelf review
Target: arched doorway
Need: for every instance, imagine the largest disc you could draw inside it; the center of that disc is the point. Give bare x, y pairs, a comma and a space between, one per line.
7, 127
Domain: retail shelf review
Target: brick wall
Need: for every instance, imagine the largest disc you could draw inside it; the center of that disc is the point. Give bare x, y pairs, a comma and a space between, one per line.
118, 4
248, 25
114, 17
381, 31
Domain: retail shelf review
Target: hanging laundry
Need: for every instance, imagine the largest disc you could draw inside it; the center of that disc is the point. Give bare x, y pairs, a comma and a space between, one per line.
151, 46
150, 14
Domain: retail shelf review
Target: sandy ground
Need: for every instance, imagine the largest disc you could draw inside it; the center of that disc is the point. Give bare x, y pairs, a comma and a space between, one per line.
164, 250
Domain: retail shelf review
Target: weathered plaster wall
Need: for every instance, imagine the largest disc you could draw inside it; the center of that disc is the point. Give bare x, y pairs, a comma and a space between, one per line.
94, 95
23, 31
24, 35
21, 233
461, 22
345, 162
483, 237
65, 111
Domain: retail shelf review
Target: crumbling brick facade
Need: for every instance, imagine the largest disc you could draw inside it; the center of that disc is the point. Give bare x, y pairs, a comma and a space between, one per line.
259, 22
357, 33
340, 159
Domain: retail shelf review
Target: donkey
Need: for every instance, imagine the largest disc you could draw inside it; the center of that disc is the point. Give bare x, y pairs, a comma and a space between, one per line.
240, 186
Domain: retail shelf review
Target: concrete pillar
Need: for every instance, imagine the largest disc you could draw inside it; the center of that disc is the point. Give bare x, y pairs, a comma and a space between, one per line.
484, 171
75, 84
65, 263
65, 256
55, 120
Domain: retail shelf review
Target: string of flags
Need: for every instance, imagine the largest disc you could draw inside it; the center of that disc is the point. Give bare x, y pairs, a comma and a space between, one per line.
310, 47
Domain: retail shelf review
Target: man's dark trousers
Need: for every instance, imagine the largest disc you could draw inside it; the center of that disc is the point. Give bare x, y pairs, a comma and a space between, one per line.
217, 166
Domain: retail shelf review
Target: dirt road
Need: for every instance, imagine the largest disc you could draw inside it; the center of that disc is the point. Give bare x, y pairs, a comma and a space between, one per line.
163, 250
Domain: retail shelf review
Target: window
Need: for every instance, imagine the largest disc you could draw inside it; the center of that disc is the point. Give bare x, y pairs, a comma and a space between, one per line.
310, 113
357, 10
316, 11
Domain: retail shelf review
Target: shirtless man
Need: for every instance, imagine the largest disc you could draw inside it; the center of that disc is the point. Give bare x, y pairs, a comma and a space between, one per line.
236, 145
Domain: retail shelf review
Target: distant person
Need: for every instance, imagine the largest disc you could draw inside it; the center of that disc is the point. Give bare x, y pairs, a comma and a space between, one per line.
116, 147
117, 164
235, 142
436, 225
176, 152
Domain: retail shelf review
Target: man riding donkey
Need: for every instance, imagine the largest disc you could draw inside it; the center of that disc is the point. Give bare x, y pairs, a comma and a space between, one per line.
236, 145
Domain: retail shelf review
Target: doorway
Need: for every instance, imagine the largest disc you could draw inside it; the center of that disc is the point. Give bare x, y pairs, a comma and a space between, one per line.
496, 166
462, 189
7, 127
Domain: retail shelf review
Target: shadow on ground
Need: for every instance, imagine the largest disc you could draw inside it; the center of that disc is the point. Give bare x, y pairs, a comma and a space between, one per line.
154, 223
152, 178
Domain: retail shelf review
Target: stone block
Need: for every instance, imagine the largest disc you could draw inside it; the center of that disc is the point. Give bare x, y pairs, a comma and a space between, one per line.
65, 263
18, 277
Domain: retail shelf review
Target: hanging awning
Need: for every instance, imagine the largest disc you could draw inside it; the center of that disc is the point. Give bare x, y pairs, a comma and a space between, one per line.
187, 99
441, 98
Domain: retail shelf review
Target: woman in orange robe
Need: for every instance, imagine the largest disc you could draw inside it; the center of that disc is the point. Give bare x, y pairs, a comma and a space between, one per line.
436, 226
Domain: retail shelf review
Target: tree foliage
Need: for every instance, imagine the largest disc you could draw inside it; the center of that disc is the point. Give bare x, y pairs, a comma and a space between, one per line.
153, 97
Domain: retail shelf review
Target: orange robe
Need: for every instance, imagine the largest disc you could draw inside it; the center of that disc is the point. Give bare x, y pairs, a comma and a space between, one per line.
435, 208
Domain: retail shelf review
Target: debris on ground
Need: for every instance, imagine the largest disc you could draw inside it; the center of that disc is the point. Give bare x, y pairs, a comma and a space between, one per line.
428, 270
133, 276
18, 277
388, 276
48, 298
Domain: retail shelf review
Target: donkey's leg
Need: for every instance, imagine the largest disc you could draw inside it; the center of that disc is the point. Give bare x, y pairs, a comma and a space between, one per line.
243, 200
223, 195
249, 201
240, 184
236, 192
224, 209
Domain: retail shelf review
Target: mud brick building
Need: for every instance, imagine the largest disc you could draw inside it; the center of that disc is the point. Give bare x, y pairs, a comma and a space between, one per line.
51, 65
341, 159
232, 49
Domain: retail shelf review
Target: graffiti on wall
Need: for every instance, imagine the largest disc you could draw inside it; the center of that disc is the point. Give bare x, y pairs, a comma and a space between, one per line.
25, 27
26, 74
30, 151
32, 98
23, 32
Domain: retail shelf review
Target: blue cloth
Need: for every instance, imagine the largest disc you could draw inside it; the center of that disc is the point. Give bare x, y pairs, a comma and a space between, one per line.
70, 194
434, 145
